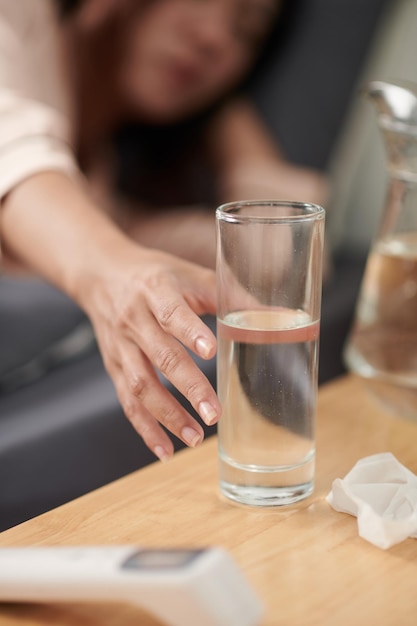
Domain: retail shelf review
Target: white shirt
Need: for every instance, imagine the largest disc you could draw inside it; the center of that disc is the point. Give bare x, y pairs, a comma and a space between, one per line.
35, 108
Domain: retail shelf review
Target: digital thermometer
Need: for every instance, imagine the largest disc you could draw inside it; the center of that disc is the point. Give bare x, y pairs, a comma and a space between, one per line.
180, 587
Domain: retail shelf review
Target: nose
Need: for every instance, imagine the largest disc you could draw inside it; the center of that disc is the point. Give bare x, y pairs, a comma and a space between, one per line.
211, 30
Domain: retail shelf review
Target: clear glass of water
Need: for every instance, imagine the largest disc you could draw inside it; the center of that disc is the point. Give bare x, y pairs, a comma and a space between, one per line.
269, 279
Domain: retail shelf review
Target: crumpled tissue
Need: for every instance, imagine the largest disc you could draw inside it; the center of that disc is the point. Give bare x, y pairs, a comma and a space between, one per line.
382, 494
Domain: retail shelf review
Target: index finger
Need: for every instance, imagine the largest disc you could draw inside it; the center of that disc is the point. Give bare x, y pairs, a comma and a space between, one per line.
169, 356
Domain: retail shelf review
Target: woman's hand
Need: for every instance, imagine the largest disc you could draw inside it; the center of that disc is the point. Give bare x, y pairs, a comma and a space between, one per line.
144, 304
145, 308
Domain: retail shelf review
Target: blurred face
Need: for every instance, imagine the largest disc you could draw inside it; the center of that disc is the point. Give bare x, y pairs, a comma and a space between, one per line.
179, 56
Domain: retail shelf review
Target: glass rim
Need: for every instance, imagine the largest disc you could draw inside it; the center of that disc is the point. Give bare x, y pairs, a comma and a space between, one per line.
229, 211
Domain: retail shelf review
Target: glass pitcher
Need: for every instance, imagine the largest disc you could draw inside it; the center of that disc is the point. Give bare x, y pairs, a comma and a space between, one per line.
382, 345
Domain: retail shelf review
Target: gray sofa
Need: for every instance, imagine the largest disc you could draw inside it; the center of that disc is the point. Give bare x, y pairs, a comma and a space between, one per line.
62, 431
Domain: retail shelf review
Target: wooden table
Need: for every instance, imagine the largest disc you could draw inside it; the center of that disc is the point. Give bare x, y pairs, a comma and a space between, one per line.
306, 561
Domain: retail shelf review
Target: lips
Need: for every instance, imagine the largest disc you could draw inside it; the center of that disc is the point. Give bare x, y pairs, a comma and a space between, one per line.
182, 73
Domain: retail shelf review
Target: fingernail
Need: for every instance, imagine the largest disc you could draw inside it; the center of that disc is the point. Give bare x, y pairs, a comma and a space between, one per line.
204, 348
162, 454
191, 436
208, 413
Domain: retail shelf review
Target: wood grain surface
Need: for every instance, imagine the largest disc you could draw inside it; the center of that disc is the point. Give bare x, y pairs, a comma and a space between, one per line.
306, 561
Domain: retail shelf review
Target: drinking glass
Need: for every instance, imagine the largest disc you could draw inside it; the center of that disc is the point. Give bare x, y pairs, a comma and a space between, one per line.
269, 278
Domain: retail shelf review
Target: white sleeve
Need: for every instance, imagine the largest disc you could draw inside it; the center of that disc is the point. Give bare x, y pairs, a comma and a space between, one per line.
35, 109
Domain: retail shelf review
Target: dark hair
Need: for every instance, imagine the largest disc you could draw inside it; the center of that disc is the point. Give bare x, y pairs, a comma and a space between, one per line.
65, 7
277, 39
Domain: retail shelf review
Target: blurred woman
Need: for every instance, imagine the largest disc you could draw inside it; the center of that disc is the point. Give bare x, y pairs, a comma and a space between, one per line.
67, 83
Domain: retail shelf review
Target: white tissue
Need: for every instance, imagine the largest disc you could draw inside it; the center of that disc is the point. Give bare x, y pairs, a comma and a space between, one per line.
382, 494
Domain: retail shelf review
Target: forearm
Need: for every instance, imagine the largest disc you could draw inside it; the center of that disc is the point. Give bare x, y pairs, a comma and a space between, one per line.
186, 232
236, 137
275, 180
250, 164
50, 226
